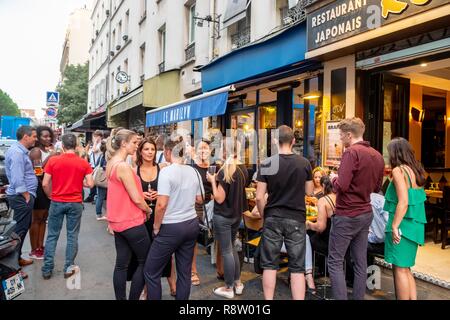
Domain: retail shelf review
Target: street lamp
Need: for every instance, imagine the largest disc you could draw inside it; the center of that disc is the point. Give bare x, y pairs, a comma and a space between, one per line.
215, 20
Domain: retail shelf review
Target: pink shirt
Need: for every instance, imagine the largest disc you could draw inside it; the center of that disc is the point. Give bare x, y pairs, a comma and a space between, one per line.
122, 212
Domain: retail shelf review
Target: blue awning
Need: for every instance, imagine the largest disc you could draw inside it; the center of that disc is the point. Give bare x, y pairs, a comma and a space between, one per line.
274, 53
209, 104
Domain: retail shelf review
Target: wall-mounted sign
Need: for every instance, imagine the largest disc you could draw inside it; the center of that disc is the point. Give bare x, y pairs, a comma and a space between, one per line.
342, 19
122, 77
333, 145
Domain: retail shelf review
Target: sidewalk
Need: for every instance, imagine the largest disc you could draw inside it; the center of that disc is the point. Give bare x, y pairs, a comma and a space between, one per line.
96, 258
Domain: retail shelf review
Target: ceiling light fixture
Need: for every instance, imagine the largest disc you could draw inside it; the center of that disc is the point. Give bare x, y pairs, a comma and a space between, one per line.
423, 65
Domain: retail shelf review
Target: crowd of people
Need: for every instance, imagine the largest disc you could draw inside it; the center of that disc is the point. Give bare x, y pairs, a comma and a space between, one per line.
159, 192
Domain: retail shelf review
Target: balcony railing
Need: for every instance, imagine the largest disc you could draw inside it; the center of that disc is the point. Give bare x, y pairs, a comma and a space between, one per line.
142, 78
297, 13
241, 38
162, 67
190, 51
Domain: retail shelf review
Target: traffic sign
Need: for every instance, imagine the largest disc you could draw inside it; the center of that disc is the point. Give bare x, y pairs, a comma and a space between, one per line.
51, 112
52, 98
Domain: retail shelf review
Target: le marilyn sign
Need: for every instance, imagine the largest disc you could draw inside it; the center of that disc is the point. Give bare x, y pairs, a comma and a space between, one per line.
342, 19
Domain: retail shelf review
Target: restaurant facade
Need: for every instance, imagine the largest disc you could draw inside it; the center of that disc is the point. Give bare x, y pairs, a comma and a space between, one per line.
388, 62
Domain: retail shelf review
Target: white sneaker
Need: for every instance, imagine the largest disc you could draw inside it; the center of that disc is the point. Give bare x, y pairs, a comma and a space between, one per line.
238, 289
101, 218
221, 292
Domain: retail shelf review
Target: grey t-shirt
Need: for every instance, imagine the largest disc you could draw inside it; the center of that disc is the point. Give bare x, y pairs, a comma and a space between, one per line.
181, 184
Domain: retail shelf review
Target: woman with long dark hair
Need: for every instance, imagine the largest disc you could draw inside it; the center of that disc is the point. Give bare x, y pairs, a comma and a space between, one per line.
319, 239
148, 172
39, 155
405, 229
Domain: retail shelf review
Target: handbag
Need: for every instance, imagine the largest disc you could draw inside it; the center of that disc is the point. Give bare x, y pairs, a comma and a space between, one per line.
99, 176
206, 235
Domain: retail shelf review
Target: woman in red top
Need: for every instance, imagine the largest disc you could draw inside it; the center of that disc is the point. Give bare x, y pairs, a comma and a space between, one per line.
127, 211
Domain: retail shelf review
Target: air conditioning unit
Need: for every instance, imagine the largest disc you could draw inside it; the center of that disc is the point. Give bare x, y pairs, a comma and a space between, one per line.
125, 38
112, 53
118, 47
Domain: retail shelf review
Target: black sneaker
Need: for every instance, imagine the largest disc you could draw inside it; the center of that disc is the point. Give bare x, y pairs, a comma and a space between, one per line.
46, 276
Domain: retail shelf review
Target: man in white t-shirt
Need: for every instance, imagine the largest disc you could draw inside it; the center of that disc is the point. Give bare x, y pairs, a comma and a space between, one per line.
176, 225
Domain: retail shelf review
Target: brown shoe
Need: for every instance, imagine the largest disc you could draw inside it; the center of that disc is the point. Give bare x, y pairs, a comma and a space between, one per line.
25, 262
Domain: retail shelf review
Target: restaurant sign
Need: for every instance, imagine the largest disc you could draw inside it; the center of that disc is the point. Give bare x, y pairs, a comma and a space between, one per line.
345, 18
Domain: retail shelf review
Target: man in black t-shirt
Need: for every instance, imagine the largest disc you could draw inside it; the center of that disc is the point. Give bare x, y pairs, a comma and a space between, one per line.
286, 177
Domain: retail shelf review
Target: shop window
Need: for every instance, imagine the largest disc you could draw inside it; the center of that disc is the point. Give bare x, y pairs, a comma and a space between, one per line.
298, 118
267, 122
267, 96
244, 129
249, 99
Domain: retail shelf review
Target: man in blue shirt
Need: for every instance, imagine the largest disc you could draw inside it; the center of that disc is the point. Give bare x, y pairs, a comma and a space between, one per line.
21, 191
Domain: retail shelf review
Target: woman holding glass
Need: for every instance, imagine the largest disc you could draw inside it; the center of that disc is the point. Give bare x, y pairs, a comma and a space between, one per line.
39, 155
148, 172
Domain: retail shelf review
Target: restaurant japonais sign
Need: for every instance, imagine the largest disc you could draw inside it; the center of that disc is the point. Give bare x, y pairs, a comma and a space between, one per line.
345, 18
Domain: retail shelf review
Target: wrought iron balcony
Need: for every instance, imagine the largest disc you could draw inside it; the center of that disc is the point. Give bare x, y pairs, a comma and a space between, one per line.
297, 13
162, 67
241, 38
190, 51
142, 78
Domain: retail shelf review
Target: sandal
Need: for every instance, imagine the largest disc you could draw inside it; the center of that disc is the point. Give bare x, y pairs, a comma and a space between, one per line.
195, 280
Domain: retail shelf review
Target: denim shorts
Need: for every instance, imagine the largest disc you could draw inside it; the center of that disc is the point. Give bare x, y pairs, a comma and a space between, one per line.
293, 233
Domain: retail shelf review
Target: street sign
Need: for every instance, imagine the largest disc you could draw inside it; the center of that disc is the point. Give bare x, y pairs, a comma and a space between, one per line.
52, 98
51, 112
122, 77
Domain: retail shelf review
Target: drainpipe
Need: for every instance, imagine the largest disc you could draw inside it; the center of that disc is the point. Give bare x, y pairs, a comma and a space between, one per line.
212, 12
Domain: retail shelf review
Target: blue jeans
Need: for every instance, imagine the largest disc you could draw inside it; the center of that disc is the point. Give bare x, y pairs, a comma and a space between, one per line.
57, 211
101, 195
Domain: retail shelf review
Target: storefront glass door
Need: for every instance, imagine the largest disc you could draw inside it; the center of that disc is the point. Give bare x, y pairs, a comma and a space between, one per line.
387, 116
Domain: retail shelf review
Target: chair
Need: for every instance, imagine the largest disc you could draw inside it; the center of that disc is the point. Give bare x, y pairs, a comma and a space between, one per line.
326, 284
250, 224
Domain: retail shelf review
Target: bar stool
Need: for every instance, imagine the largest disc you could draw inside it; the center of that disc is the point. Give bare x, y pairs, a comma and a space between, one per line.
327, 283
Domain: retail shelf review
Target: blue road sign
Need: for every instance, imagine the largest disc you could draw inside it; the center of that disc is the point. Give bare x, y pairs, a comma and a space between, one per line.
52, 98
51, 112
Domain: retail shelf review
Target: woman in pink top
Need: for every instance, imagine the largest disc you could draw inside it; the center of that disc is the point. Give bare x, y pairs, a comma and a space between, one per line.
127, 212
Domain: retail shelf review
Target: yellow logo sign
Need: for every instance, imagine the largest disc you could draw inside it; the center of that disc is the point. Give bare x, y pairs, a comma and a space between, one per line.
397, 6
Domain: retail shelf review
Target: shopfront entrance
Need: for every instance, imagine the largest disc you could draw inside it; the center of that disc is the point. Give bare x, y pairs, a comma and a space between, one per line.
387, 113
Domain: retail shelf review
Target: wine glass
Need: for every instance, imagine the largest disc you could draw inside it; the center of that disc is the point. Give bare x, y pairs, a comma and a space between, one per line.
150, 190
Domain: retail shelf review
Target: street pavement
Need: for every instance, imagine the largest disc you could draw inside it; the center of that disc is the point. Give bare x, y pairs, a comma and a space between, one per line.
96, 258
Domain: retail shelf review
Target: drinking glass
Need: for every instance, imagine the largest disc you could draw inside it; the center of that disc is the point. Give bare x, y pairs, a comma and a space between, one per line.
37, 164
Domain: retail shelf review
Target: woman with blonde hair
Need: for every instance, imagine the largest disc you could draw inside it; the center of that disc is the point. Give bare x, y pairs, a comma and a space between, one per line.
127, 212
228, 187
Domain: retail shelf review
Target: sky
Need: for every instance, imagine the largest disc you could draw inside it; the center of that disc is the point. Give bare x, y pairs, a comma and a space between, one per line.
32, 34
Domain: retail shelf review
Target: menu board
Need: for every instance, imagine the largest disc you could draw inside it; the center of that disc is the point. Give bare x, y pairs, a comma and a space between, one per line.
333, 145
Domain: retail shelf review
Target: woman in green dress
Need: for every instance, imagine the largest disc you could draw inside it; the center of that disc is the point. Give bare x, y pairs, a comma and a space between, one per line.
405, 229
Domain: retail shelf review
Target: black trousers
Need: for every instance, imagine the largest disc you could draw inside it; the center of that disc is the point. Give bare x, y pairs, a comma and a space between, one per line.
134, 240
